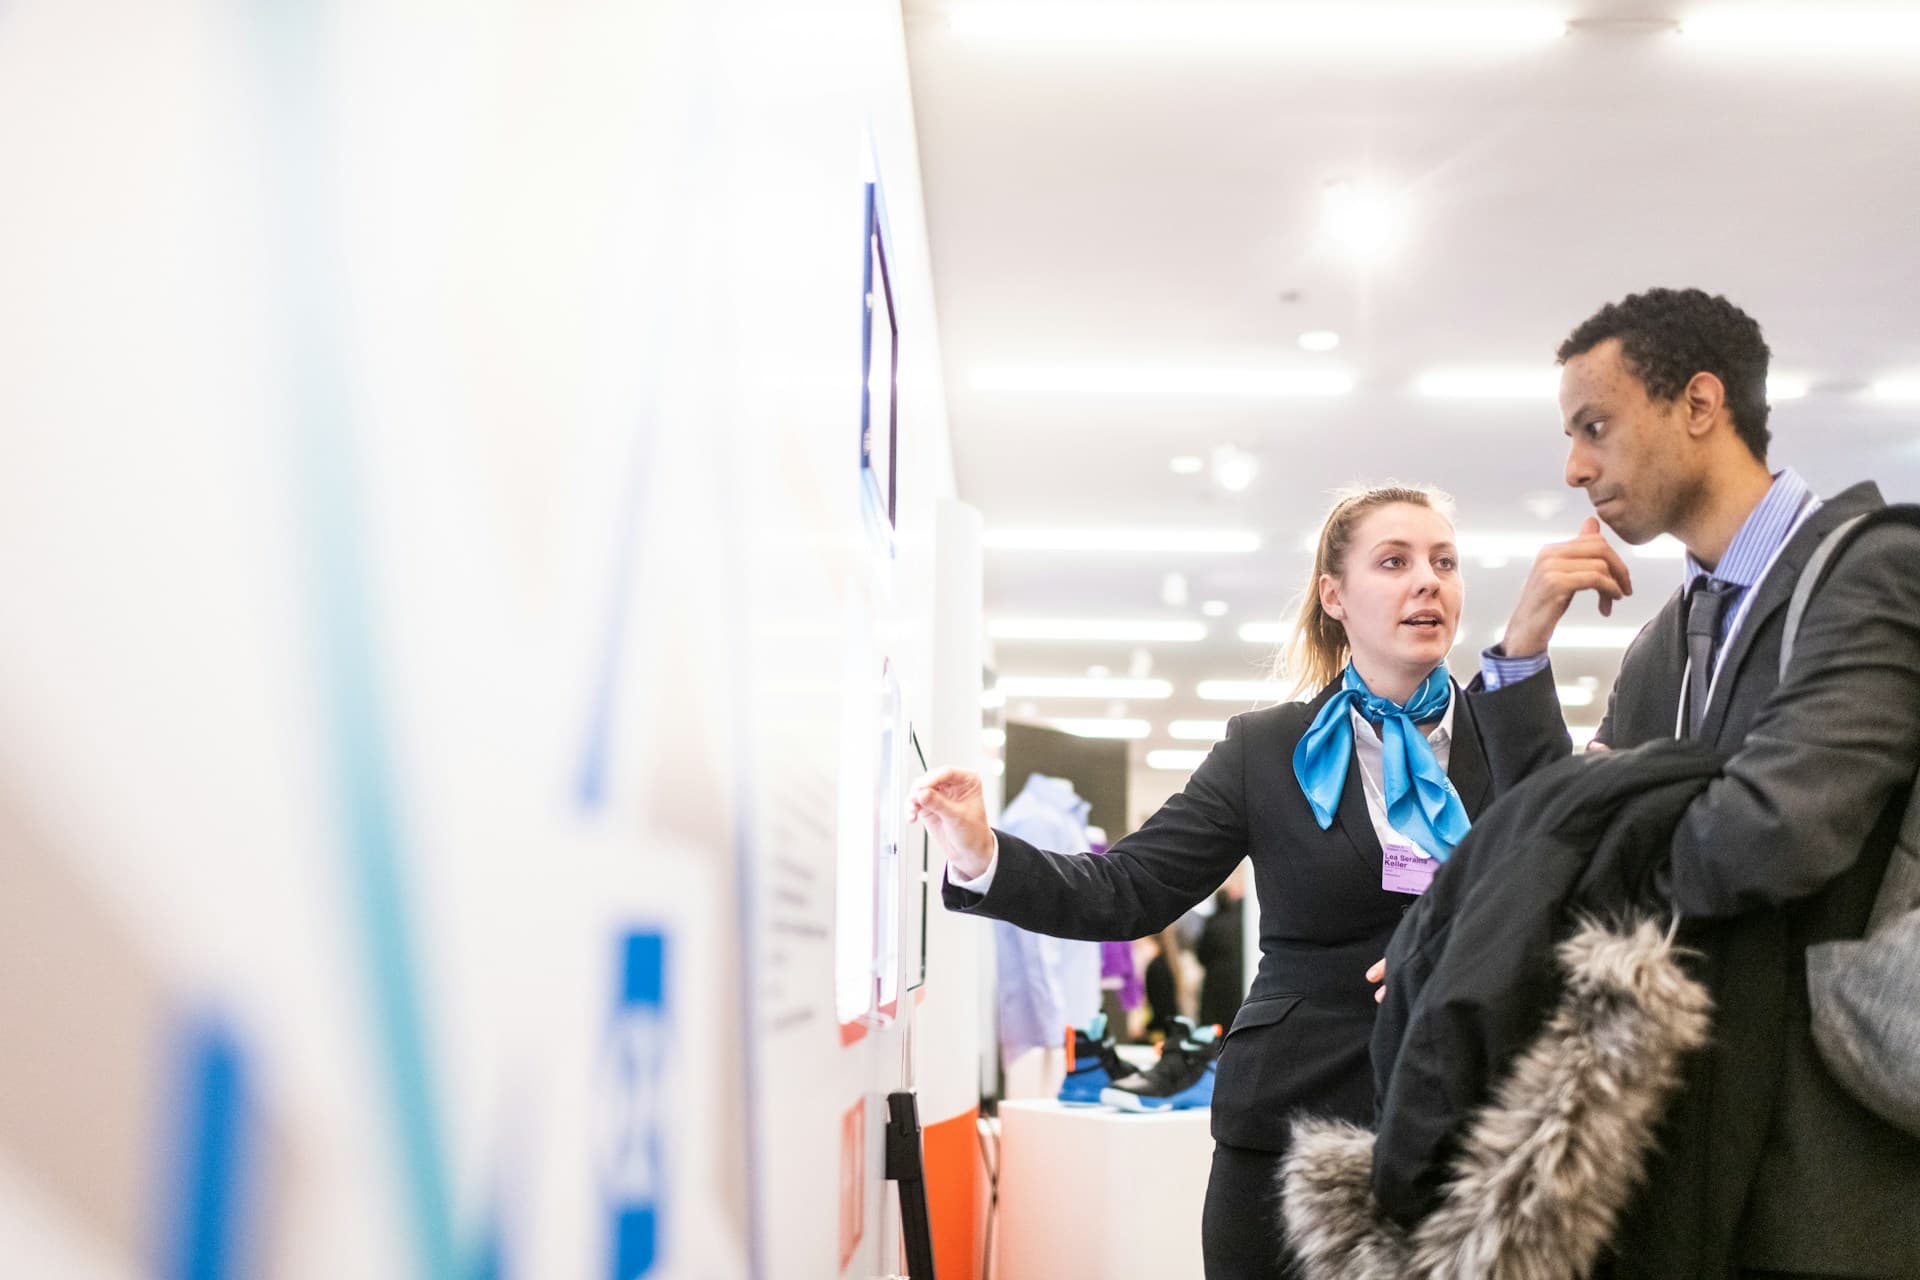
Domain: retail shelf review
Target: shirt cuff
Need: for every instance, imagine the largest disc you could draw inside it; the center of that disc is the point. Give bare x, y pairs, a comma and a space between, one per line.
982, 882
1498, 669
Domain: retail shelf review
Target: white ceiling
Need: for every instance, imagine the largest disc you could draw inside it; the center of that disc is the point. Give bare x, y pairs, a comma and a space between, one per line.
1115, 204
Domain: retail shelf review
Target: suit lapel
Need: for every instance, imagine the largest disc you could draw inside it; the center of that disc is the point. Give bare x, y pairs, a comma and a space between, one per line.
1350, 817
1773, 591
1353, 819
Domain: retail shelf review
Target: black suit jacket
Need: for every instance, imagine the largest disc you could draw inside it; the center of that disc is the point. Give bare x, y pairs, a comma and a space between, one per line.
1767, 1164
1300, 1041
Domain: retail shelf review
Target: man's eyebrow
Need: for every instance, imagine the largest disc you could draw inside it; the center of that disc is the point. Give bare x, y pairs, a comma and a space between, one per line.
1583, 411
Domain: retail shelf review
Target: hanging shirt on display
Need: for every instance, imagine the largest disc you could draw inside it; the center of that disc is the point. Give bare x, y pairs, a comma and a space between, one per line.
1045, 984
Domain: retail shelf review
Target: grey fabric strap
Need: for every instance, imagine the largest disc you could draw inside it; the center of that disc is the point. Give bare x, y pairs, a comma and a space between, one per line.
1809, 579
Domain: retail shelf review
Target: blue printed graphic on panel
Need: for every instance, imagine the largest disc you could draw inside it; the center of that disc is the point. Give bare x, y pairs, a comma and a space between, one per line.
207, 1166
633, 1171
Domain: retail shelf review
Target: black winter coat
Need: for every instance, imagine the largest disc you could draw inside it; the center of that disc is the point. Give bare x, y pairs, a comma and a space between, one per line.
1470, 972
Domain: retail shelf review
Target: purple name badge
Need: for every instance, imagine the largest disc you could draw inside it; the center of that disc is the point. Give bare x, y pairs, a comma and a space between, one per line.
1405, 869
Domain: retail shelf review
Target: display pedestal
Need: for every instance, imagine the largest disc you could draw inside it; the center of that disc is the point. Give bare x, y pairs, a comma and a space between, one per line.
1092, 1194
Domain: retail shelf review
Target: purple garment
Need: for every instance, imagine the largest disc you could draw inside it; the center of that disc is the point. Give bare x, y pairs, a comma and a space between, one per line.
1116, 961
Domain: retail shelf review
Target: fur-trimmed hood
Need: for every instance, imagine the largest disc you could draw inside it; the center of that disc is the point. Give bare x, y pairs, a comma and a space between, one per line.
1545, 1169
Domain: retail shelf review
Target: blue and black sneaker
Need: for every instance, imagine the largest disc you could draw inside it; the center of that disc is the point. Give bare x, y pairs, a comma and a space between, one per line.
1092, 1064
1181, 1081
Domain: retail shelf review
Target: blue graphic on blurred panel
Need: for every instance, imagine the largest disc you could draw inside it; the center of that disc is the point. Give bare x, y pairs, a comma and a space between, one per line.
207, 1167
633, 1108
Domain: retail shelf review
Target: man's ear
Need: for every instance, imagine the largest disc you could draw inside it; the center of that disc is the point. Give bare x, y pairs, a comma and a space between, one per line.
1330, 598
1703, 398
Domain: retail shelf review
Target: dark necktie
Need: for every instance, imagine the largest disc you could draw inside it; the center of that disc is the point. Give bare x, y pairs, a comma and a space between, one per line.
1706, 603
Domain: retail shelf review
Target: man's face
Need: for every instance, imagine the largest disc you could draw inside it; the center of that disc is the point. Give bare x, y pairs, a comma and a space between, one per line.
1629, 451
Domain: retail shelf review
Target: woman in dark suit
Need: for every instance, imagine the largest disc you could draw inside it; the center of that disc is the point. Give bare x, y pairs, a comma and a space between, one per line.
1344, 802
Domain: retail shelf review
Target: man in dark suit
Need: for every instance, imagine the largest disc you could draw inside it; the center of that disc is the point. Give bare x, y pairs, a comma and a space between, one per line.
1768, 1167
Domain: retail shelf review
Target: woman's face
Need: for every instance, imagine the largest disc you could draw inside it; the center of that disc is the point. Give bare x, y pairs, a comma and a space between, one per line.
1400, 593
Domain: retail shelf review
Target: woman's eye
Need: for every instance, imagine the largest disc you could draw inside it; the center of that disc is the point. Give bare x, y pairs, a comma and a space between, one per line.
1392, 562
1448, 563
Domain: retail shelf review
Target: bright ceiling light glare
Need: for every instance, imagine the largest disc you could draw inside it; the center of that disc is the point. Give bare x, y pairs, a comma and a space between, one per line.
1119, 631
1583, 637
1787, 386
1319, 340
1187, 465
1247, 384
1805, 31
1903, 389
1175, 759
993, 739
1197, 730
1102, 728
1234, 469
1214, 608
1664, 547
1575, 695
1365, 222
1489, 384
1295, 30
1495, 550
1263, 632
1083, 687
1246, 691
1172, 541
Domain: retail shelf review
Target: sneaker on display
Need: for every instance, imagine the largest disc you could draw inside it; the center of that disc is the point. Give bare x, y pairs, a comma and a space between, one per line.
1181, 1081
1092, 1064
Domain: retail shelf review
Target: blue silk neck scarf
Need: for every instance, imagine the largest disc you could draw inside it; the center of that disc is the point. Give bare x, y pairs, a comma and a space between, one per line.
1421, 804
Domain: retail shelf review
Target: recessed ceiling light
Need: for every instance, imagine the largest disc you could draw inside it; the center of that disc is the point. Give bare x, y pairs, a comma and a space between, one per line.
1296, 30
1117, 630
1664, 547
1234, 468
993, 739
1319, 340
1489, 384
1214, 608
1083, 687
1584, 637
1902, 388
1264, 632
1197, 730
1575, 695
1787, 386
1187, 465
1248, 691
1176, 759
1225, 541
1364, 220
1804, 32
1131, 380
1093, 727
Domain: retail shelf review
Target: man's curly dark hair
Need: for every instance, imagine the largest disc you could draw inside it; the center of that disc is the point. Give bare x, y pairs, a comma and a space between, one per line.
1668, 335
